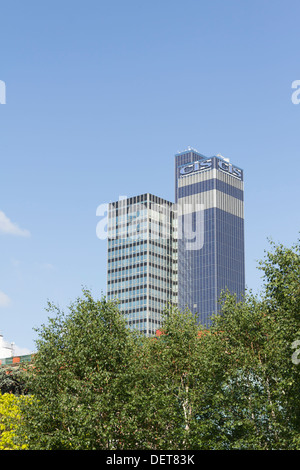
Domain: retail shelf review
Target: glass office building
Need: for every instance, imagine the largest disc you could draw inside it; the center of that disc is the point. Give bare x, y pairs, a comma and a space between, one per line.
142, 259
209, 193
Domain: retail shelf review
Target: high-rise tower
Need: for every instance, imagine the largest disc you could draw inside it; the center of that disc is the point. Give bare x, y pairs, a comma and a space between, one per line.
209, 193
142, 259
185, 253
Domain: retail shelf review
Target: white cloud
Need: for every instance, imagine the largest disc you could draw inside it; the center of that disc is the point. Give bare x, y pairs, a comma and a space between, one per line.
19, 351
10, 228
4, 300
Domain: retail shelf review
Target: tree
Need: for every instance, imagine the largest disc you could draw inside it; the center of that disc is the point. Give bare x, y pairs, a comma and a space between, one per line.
98, 385
233, 386
81, 378
244, 393
10, 419
169, 383
281, 271
255, 400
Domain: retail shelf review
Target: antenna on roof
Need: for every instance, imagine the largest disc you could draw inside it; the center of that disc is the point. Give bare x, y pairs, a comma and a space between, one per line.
221, 156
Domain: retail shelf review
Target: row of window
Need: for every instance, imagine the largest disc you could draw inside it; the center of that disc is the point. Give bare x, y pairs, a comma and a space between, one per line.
139, 222
127, 216
138, 267
113, 274
126, 303
136, 292
127, 261
160, 272
147, 199
133, 246
115, 245
138, 257
118, 284
144, 320
143, 310
135, 303
130, 261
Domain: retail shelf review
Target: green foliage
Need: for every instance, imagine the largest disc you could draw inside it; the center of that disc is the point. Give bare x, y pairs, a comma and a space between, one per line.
168, 384
10, 419
81, 378
281, 268
13, 380
98, 385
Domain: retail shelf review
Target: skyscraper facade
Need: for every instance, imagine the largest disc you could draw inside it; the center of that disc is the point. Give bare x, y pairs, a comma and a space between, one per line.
185, 253
142, 259
209, 194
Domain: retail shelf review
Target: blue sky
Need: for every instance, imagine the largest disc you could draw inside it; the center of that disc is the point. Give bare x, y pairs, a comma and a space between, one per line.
100, 95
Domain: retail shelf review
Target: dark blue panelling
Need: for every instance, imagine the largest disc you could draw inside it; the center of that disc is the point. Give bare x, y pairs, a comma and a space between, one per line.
218, 265
208, 185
